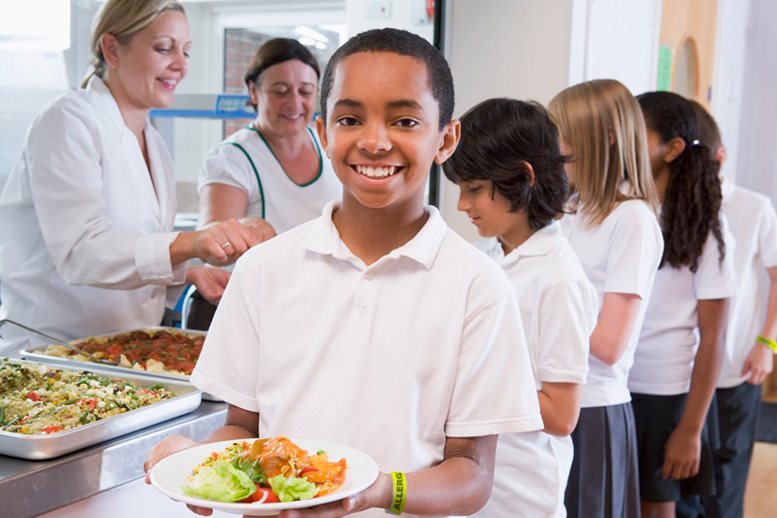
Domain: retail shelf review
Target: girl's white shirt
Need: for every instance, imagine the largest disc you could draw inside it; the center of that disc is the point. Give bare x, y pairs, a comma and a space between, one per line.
620, 255
85, 227
670, 337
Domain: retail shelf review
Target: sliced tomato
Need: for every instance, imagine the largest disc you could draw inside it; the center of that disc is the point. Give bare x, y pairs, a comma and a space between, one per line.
260, 492
33, 396
52, 428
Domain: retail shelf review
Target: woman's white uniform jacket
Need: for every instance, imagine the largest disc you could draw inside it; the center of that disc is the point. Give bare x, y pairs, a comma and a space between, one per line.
85, 229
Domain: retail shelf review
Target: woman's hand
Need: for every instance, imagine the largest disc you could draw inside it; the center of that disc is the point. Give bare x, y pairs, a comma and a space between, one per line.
261, 230
377, 495
224, 242
682, 454
210, 282
219, 244
168, 446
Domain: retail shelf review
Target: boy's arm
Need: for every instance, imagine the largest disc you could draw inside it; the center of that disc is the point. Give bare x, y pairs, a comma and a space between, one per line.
239, 424
613, 328
683, 448
459, 485
560, 407
759, 362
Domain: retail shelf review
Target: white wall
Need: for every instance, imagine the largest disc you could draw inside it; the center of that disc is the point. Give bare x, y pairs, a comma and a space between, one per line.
756, 163
532, 49
503, 48
729, 76
622, 42
401, 14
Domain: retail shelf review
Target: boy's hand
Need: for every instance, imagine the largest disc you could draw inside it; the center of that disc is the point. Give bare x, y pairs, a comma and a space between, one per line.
167, 447
377, 495
758, 364
681, 454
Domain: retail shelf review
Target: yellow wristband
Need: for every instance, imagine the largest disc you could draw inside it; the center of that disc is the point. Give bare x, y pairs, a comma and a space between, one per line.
398, 492
768, 342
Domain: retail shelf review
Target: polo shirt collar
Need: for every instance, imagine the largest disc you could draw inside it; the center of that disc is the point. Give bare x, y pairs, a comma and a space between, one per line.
422, 248
539, 244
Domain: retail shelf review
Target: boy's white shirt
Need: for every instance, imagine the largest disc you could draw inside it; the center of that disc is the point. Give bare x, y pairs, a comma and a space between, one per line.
621, 255
670, 336
390, 359
753, 222
558, 308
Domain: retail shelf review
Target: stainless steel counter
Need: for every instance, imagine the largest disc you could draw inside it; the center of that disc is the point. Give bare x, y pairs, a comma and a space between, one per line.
29, 488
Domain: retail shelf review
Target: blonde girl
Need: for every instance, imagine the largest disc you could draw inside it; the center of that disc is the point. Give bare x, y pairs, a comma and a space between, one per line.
614, 231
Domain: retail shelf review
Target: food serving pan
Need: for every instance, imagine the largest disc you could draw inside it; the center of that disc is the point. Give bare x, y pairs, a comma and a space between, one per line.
36, 353
47, 446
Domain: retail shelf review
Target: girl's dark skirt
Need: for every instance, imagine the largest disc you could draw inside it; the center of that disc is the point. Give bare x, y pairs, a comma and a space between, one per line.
656, 418
603, 481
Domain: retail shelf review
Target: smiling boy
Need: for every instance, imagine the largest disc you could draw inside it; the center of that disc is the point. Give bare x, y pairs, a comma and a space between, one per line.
375, 325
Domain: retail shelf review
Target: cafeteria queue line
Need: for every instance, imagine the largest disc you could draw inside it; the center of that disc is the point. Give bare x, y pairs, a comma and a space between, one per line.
584, 365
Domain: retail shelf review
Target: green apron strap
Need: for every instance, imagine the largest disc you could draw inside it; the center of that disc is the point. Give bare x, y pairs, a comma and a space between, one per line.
256, 174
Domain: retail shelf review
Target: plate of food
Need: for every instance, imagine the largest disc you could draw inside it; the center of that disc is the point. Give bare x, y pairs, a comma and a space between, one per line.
261, 477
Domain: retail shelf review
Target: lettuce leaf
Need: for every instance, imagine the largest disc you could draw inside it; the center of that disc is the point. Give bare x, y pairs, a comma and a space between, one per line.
220, 482
250, 468
292, 488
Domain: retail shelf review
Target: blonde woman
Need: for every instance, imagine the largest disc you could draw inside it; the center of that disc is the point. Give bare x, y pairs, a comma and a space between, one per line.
86, 217
614, 231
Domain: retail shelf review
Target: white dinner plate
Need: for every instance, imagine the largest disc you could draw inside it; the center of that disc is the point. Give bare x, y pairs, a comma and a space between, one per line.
169, 474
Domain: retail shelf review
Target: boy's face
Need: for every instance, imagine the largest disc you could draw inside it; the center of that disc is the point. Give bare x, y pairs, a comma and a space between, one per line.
490, 214
382, 129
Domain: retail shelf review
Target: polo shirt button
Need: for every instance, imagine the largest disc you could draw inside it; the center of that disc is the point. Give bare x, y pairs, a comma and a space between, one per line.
369, 276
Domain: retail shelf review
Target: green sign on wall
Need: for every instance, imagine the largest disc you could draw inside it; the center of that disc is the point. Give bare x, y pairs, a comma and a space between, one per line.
664, 81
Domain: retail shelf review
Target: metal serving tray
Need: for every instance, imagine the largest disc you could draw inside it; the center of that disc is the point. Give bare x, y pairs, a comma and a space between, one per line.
38, 447
36, 353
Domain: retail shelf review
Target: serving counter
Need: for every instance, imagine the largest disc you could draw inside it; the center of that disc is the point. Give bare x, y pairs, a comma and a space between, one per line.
29, 488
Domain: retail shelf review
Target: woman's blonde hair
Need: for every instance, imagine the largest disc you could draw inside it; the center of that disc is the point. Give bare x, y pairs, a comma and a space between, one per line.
602, 123
122, 19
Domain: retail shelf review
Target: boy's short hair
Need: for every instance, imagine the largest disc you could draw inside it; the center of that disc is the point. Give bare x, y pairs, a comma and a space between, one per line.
404, 43
496, 136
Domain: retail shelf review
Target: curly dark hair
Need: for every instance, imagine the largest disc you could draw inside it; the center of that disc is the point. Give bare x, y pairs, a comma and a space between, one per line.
498, 138
691, 207
404, 43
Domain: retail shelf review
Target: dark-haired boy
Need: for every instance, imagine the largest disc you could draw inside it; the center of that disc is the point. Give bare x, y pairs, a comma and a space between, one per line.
510, 172
375, 325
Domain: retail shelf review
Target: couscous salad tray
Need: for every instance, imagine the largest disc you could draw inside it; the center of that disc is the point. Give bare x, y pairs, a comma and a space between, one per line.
47, 410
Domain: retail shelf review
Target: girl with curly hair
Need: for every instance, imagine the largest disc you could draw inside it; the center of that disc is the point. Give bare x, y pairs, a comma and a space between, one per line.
681, 344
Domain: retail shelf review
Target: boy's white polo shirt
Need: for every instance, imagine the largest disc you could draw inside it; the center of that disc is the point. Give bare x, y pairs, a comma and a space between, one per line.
753, 222
670, 337
558, 308
389, 359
